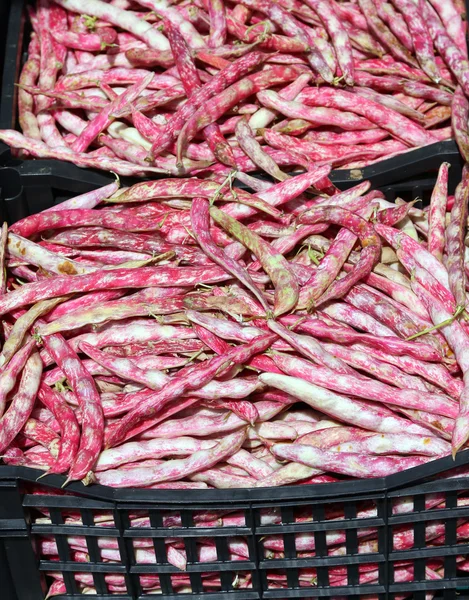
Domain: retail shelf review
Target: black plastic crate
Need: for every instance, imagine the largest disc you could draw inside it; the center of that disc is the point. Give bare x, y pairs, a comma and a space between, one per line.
301, 510
14, 35
297, 509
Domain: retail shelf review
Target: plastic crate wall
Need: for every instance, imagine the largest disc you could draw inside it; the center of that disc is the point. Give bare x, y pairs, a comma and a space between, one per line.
290, 519
301, 509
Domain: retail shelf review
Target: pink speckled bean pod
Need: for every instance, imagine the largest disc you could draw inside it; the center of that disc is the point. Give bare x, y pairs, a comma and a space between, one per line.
437, 212
115, 279
454, 57
383, 34
222, 80
175, 469
216, 9
455, 247
422, 42
22, 403
364, 466
200, 219
459, 119
275, 265
367, 415
92, 414
339, 37
70, 431
119, 17
398, 125
369, 390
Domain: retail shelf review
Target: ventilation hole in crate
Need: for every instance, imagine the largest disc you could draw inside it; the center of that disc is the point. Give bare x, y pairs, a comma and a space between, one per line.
307, 577
171, 519
415, 535
143, 551
277, 579
139, 518
462, 565
220, 519
273, 546
109, 554
269, 516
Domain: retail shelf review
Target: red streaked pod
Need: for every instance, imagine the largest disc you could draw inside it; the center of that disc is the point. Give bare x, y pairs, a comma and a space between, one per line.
453, 22
360, 413
70, 431
88, 200
343, 335
330, 265
401, 241
422, 42
383, 34
200, 220
386, 372
26, 115
175, 469
252, 148
318, 54
264, 117
281, 192
34, 254
455, 248
22, 325
275, 265
191, 82
437, 212
86, 301
458, 340
339, 37
113, 279
156, 448
88, 42
104, 119
124, 19
225, 78
370, 389
3, 247
312, 349
396, 23
399, 126
459, 119
140, 304
217, 14
387, 100
9, 373
362, 466
41, 434
84, 387
318, 115
142, 417
448, 50
22, 403
432, 372
363, 230
40, 150
219, 104
394, 443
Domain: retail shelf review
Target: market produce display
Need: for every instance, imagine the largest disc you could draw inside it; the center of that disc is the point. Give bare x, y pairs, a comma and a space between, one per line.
189, 334
202, 87
180, 322
207, 329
